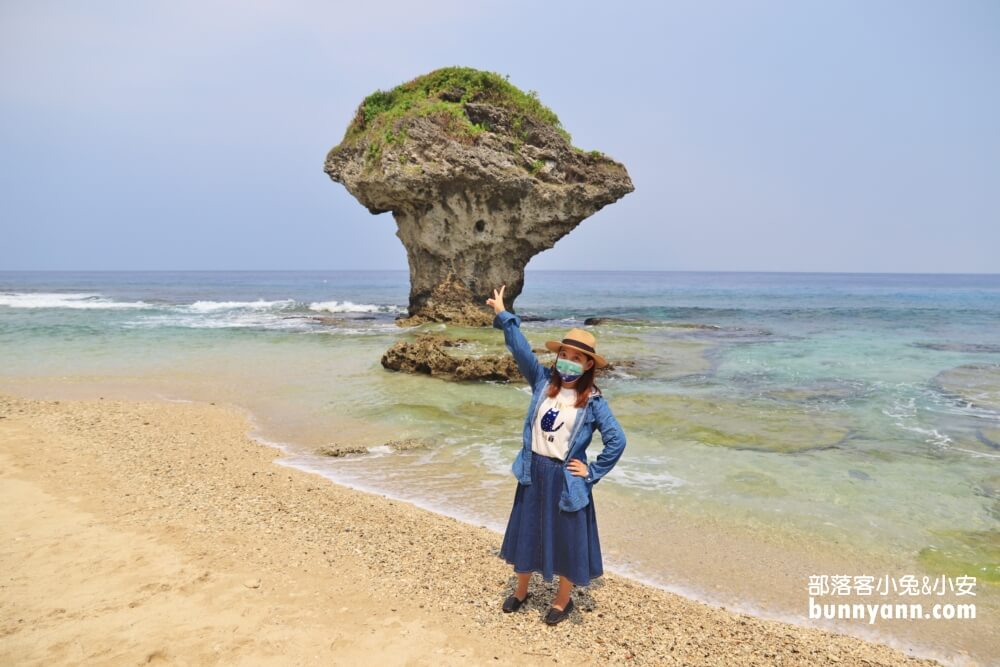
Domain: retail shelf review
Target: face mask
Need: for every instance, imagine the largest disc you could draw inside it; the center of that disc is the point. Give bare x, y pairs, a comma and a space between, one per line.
568, 370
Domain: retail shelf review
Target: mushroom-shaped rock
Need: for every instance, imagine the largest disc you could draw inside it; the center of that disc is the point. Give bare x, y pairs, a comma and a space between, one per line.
480, 177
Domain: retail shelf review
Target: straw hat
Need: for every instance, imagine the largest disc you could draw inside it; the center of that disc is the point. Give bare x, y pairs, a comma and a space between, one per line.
582, 341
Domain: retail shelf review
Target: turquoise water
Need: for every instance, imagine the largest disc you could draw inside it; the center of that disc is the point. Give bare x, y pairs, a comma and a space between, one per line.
847, 418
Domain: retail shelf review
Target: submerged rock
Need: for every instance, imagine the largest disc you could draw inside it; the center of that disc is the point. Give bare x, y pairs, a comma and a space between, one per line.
336, 450
976, 384
735, 423
406, 444
971, 553
989, 437
593, 321
754, 483
988, 487
479, 176
975, 348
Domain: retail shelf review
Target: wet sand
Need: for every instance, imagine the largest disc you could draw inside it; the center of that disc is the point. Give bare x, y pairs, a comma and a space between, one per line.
144, 531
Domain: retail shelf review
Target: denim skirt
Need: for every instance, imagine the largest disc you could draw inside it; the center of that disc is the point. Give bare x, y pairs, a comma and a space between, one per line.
541, 537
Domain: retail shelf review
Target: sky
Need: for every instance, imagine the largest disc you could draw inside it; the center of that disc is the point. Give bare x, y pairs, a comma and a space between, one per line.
851, 136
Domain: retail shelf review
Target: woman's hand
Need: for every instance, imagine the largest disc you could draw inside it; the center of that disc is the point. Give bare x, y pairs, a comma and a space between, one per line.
578, 468
497, 300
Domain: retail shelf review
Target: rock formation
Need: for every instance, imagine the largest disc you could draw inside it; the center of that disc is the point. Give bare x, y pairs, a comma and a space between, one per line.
427, 354
479, 176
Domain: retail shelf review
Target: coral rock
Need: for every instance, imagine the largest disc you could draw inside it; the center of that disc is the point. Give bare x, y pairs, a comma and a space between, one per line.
479, 176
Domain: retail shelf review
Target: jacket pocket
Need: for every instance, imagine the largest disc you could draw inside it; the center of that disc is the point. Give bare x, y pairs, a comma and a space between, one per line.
575, 495
517, 467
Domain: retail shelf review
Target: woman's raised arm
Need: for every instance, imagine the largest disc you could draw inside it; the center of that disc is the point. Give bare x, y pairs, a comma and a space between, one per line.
518, 345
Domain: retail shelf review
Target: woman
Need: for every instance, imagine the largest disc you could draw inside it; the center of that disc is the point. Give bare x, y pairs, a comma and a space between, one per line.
553, 527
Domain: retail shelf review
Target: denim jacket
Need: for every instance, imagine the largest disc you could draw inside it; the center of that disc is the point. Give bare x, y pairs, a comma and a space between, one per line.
595, 414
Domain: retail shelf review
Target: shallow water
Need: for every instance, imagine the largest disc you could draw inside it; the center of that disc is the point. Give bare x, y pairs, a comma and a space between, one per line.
779, 425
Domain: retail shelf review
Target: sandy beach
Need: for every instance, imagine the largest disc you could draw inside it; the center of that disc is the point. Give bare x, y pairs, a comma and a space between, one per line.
142, 532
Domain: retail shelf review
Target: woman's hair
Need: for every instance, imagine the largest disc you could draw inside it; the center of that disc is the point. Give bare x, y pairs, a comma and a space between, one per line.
583, 384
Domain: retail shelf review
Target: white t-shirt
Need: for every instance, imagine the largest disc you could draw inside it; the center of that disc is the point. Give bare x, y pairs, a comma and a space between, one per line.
550, 435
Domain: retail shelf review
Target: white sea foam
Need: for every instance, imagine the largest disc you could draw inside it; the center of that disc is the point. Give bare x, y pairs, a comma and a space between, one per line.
77, 300
235, 319
174, 400
259, 304
491, 456
639, 476
974, 454
370, 329
903, 412
275, 314
351, 307
200, 314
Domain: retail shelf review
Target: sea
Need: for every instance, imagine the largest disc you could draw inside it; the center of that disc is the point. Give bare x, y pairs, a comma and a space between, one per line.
784, 430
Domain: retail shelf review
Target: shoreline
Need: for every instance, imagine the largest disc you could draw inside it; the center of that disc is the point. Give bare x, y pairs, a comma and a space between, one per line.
95, 441
723, 599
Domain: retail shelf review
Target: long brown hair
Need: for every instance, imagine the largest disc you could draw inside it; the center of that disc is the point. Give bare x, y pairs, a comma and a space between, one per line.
584, 384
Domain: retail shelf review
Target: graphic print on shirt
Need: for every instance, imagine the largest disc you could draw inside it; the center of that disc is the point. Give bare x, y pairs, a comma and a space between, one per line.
548, 419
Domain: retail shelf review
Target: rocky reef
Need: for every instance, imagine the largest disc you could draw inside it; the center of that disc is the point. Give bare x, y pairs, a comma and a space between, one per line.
479, 176
429, 354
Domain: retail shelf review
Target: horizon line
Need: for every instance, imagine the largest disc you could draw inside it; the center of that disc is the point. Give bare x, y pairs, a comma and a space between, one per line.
888, 273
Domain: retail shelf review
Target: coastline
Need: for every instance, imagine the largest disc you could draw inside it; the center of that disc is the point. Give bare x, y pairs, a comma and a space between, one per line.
217, 501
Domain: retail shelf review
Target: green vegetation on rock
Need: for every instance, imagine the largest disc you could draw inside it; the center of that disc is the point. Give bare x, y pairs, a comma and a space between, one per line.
442, 93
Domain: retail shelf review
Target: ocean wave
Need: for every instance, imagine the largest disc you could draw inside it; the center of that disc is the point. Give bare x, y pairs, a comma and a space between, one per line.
259, 304
195, 321
642, 475
78, 300
279, 316
351, 307
282, 314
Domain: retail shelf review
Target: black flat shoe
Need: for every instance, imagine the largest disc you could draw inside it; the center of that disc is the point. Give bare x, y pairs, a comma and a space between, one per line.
512, 603
555, 615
